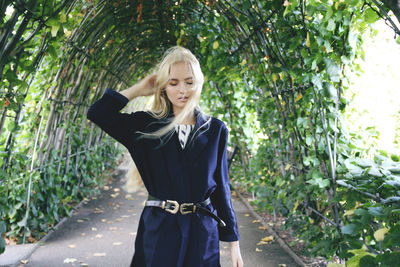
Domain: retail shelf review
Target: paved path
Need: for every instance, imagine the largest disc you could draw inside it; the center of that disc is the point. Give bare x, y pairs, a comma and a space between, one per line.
103, 231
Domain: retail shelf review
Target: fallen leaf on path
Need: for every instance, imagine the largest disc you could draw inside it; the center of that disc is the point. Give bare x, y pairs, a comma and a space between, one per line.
116, 189
117, 243
106, 188
31, 239
113, 228
256, 221
129, 197
262, 227
97, 210
24, 261
133, 233
247, 215
268, 238
119, 219
103, 254
114, 195
84, 264
258, 250
70, 260
110, 222
72, 246
93, 229
282, 265
103, 220
94, 198
99, 236
125, 216
80, 221
262, 243
11, 240
83, 234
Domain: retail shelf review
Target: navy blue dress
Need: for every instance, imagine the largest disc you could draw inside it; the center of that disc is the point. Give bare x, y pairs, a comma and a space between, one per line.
189, 174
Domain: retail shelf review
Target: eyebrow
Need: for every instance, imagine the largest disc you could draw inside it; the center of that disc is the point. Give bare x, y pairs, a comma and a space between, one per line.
175, 79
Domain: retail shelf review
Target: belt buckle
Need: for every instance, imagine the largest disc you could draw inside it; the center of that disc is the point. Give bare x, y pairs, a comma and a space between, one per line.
183, 205
176, 206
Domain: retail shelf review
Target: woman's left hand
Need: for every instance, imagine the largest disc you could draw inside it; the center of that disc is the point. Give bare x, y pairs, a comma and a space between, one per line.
235, 254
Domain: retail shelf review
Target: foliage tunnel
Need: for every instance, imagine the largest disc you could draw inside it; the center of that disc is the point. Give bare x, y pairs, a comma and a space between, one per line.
275, 73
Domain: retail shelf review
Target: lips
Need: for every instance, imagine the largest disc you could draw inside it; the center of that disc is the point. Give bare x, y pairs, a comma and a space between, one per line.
183, 98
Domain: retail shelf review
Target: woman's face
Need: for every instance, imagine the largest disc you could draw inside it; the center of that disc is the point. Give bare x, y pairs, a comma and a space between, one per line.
180, 85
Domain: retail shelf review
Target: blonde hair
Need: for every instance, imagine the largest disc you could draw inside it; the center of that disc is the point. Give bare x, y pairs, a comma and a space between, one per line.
162, 105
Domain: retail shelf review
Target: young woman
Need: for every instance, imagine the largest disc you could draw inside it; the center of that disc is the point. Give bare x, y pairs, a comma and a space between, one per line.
181, 155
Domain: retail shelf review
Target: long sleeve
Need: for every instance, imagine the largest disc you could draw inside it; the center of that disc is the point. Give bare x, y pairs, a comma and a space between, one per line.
221, 197
105, 113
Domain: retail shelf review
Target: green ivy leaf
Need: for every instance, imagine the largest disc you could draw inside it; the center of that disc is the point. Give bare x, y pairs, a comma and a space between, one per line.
331, 25
370, 16
368, 261
389, 258
3, 227
392, 238
316, 80
373, 171
2, 244
52, 51
358, 255
350, 229
333, 70
54, 30
376, 211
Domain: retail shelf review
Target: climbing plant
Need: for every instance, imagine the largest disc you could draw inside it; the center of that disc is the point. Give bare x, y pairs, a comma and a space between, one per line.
275, 73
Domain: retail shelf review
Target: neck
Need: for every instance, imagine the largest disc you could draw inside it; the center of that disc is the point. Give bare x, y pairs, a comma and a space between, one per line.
189, 119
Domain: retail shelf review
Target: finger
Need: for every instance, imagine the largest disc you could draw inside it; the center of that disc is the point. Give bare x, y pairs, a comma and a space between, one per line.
234, 262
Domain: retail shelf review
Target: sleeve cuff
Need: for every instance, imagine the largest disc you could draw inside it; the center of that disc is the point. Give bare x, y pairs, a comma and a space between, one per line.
229, 238
117, 95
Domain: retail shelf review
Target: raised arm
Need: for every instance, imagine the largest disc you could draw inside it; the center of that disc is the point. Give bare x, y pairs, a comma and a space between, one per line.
143, 88
105, 111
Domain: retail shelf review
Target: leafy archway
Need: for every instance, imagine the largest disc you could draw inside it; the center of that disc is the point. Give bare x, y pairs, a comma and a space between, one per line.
276, 71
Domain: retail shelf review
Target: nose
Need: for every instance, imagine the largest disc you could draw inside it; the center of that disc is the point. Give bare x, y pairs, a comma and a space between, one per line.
182, 88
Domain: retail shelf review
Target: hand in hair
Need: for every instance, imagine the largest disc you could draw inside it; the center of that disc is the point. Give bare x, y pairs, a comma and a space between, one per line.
144, 87
148, 85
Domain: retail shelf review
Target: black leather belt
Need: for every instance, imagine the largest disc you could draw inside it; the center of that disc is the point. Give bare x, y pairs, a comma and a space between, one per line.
173, 207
